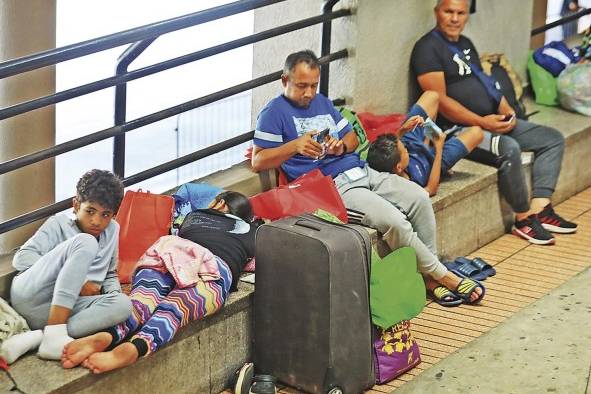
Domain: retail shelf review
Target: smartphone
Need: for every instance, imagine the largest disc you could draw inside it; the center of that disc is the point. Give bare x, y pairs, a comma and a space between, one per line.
320, 137
431, 128
509, 118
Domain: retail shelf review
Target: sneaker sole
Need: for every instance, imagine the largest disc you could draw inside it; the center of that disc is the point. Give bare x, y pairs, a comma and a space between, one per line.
244, 380
531, 239
559, 230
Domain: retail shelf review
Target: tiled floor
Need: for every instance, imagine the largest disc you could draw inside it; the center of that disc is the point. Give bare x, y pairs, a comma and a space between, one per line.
525, 273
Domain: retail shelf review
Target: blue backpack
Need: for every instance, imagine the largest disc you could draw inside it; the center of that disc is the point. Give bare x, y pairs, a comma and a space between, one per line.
189, 197
554, 57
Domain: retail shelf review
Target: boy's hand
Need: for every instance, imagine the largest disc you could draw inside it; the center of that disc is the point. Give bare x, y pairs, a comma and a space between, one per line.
90, 289
438, 141
410, 125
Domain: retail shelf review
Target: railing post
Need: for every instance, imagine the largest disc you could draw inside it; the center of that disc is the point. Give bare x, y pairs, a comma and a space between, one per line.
325, 45
123, 62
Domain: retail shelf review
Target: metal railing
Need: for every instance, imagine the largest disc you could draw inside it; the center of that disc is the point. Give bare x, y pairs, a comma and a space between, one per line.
559, 22
141, 38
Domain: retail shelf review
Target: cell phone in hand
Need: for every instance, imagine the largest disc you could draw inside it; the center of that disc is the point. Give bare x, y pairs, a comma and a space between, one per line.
320, 137
431, 129
509, 118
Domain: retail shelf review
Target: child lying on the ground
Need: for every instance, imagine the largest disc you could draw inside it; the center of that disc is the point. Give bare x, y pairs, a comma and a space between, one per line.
423, 153
164, 299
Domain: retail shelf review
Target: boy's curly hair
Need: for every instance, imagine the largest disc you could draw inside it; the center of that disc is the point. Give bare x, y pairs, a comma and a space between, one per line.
102, 187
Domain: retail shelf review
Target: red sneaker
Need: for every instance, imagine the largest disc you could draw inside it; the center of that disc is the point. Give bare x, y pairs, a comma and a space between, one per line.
532, 230
551, 221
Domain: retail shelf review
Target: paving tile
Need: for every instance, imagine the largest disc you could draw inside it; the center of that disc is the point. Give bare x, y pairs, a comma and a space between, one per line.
525, 273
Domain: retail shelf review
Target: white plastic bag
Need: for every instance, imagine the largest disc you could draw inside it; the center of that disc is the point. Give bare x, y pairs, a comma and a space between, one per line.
574, 88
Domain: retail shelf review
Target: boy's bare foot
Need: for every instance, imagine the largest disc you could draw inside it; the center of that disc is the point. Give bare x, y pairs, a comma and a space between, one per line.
122, 356
79, 350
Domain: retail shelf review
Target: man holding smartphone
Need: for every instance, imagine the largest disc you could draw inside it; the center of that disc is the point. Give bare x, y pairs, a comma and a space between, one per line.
445, 61
286, 136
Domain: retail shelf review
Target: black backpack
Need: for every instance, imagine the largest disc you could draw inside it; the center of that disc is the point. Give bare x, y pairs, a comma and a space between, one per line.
497, 66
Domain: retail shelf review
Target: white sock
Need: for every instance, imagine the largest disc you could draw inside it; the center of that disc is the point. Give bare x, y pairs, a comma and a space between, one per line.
54, 339
17, 345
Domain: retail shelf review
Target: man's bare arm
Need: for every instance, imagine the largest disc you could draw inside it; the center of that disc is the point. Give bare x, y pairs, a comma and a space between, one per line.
266, 158
455, 111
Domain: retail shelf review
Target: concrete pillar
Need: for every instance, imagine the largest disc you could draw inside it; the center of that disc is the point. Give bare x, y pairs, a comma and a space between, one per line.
539, 12
26, 27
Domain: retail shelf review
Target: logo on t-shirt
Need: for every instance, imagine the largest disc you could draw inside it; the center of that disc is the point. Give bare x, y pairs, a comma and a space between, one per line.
463, 67
318, 122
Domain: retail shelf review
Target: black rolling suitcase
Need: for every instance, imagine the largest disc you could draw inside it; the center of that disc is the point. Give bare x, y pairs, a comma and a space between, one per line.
312, 319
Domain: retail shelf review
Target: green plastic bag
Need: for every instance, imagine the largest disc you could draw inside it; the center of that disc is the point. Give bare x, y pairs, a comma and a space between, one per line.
543, 83
396, 290
351, 116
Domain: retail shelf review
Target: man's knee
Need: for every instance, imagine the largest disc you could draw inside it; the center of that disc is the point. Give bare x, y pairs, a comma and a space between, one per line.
392, 224
510, 150
556, 138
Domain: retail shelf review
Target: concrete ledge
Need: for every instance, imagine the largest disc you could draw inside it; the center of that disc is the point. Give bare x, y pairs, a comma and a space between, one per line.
199, 360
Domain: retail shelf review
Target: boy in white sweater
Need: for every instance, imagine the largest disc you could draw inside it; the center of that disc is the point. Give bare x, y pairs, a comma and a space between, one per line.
67, 284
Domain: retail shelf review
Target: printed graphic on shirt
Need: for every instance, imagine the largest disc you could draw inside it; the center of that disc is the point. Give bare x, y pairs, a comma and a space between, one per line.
229, 223
463, 67
467, 54
240, 226
318, 122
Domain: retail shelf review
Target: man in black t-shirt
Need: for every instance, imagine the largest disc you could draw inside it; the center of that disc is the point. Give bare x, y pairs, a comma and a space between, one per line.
447, 62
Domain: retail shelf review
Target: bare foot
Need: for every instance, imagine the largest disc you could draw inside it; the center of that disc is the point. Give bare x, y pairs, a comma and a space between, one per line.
80, 349
451, 281
122, 356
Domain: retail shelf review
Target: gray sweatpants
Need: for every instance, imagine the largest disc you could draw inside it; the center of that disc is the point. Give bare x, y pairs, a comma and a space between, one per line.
56, 279
399, 209
546, 143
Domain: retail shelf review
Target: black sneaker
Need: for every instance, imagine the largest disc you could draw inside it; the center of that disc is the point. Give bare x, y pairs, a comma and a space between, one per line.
242, 379
532, 230
551, 221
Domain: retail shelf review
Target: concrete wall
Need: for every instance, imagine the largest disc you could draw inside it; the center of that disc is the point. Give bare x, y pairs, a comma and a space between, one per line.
26, 27
380, 38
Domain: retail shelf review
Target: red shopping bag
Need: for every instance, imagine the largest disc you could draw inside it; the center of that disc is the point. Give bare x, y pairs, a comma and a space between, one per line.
375, 125
143, 218
306, 194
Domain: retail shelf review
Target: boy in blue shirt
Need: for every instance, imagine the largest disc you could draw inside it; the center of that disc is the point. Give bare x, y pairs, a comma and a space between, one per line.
67, 283
423, 153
